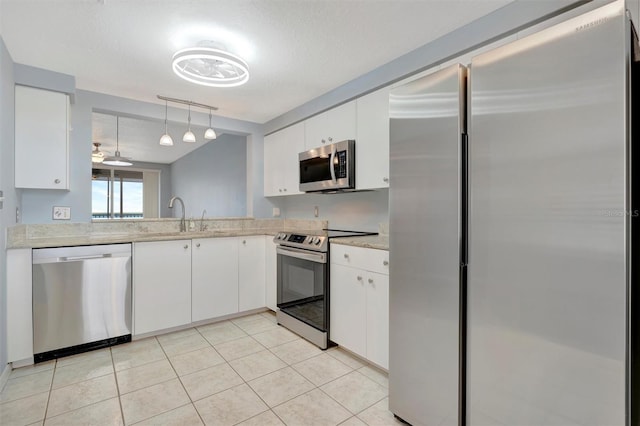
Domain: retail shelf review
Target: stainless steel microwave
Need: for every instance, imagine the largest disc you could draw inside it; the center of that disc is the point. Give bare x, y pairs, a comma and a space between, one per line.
328, 168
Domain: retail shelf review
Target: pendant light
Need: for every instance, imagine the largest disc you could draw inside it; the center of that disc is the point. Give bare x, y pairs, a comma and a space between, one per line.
210, 134
188, 135
166, 140
117, 160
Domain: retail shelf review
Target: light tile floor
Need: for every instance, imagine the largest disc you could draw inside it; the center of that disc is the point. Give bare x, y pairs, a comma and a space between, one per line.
247, 371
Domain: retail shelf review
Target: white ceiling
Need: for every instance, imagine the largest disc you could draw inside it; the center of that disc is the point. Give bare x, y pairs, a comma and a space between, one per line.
297, 50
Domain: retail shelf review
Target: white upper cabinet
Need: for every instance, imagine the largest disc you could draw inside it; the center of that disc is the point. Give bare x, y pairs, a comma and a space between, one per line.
372, 143
281, 149
41, 139
331, 126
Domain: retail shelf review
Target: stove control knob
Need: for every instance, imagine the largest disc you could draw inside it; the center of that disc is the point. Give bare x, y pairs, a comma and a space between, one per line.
318, 241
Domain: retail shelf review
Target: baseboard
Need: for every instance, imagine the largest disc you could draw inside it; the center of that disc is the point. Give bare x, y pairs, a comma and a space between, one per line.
199, 323
5, 376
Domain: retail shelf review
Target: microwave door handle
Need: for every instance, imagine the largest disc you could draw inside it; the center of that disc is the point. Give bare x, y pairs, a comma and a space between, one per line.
332, 159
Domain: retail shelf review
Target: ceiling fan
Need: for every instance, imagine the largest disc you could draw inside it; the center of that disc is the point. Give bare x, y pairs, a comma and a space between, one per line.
97, 156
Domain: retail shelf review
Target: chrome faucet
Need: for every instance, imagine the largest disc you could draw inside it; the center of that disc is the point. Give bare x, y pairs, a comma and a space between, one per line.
183, 224
203, 227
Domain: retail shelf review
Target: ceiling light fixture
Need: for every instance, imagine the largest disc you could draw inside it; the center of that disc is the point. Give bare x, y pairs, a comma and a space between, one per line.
97, 156
165, 140
210, 67
188, 135
117, 159
210, 134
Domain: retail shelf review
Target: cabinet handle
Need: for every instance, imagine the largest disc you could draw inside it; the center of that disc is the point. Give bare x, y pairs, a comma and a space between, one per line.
359, 278
330, 139
385, 179
284, 190
186, 246
244, 241
57, 181
385, 263
346, 256
197, 244
279, 189
323, 141
370, 280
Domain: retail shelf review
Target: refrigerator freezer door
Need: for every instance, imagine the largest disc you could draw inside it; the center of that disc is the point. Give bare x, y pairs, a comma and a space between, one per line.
426, 124
547, 261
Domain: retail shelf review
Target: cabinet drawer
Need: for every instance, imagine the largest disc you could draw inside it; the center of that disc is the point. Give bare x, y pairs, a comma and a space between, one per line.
362, 258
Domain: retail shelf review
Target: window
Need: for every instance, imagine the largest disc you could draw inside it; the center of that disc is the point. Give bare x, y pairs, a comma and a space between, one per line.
116, 194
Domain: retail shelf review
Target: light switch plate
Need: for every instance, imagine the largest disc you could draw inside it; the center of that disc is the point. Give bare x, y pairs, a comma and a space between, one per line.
61, 213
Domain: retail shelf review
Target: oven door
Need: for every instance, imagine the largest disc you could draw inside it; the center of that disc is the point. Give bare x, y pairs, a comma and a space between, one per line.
302, 285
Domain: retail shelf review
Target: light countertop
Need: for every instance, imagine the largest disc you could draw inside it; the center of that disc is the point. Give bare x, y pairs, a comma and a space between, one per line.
379, 242
113, 232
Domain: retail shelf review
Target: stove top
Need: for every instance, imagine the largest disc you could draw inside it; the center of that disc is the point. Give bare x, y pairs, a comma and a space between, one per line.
319, 243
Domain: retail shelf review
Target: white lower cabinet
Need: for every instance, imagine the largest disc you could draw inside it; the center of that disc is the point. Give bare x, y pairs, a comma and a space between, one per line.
377, 286
359, 302
19, 305
348, 309
161, 285
214, 278
251, 273
179, 282
270, 273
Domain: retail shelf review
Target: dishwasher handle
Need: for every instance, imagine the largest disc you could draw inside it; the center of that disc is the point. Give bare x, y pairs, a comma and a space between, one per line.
91, 256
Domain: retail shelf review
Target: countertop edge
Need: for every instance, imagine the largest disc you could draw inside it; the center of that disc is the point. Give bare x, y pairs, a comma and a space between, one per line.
376, 242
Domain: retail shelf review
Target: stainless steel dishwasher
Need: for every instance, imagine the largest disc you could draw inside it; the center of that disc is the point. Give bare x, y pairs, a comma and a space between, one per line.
81, 299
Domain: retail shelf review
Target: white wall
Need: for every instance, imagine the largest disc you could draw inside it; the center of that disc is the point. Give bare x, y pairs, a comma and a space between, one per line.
7, 214
356, 211
213, 177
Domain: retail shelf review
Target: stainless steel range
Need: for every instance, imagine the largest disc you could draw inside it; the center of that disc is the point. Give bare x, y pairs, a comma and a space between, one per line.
303, 283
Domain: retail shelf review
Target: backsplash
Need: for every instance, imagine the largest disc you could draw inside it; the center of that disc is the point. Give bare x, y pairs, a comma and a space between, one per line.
19, 234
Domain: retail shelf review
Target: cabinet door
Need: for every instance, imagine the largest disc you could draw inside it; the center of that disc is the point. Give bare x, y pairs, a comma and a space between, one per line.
347, 309
41, 139
161, 285
372, 144
272, 164
378, 318
281, 171
251, 272
19, 305
270, 268
332, 126
292, 145
214, 278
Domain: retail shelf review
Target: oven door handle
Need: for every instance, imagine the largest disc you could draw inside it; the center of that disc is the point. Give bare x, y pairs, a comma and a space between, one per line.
302, 254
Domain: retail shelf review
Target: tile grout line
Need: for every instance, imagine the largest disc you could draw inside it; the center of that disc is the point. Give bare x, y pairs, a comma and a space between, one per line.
115, 375
180, 380
53, 375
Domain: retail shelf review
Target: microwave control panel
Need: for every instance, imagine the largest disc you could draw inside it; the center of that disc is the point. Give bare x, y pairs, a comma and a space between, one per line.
340, 164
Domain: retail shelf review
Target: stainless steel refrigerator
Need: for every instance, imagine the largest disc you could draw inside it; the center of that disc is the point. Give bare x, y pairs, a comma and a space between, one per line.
519, 314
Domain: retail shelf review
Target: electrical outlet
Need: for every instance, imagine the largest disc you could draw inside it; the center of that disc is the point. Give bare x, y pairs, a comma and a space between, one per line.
276, 212
315, 211
61, 213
